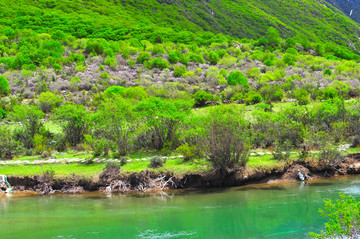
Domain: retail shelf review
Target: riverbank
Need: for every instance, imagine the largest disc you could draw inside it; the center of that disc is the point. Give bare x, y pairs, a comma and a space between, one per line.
111, 180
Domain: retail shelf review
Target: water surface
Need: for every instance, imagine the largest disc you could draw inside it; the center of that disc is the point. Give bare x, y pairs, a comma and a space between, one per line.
256, 211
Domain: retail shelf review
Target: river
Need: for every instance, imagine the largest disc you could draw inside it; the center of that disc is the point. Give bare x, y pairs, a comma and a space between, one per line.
288, 210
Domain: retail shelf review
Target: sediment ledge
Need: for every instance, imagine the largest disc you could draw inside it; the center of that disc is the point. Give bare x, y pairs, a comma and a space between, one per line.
113, 181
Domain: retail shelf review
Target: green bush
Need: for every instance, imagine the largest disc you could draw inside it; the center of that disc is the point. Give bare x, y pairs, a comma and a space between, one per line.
142, 57
343, 218
330, 92
302, 96
213, 58
272, 93
201, 97
48, 101
4, 86
114, 90
159, 62
237, 78
157, 162
253, 98
189, 151
179, 71
327, 72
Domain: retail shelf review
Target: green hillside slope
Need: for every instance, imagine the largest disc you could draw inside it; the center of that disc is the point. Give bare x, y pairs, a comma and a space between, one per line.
118, 20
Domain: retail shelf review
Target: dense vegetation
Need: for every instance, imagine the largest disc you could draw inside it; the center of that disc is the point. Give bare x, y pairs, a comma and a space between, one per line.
108, 83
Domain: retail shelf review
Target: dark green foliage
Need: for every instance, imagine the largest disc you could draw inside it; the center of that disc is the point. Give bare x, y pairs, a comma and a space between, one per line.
328, 72
213, 58
201, 97
237, 78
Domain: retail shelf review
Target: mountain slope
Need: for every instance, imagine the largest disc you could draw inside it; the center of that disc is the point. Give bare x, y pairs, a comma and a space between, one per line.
116, 20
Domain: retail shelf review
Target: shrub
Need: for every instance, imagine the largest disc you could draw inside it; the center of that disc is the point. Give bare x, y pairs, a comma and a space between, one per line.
343, 218
157, 162
272, 93
330, 92
159, 62
4, 86
7, 143
282, 151
201, 97
188, 151
158, 49
213, 58
355, 142
224, 137
253, 98
237, 78
114, 90
302, 96
327, 72
48, 101
179, 71
174, 57
74, 121
163, 119
29, 116
142, 57
115, 121
329, 154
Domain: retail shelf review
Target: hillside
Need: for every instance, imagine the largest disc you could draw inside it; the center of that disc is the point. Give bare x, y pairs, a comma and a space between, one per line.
155, 20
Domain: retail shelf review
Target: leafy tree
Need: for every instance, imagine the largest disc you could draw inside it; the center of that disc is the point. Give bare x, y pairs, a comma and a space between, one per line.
163, 119
343, 217
74, 121
273, 37
115, 120
237, 78
29, 117
7, 143
4, 86
224, 137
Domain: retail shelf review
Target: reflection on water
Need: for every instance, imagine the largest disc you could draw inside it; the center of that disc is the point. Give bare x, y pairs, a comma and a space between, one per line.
287, 210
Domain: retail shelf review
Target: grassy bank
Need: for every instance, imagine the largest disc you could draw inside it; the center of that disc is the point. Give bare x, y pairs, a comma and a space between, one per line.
175, 166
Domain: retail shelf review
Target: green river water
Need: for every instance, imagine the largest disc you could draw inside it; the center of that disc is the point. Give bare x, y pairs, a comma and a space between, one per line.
255, 211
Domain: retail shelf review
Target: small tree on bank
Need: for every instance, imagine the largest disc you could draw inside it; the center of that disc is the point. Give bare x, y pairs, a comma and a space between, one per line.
225, 138
74, 121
